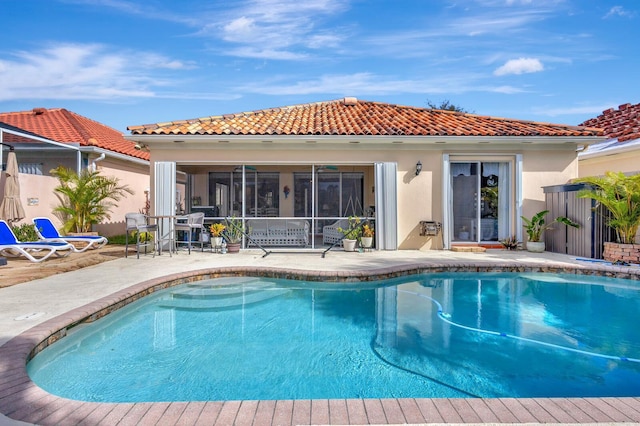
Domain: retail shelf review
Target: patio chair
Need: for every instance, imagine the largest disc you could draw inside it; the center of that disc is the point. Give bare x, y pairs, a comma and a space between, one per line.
190, 223
139, 223
330, 233
47, 232
11, 247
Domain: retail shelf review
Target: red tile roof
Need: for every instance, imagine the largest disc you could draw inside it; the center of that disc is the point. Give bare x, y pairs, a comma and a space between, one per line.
622, 123
61, 125
350, 116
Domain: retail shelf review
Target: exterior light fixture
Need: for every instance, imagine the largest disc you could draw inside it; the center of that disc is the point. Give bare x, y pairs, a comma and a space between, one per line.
418, 167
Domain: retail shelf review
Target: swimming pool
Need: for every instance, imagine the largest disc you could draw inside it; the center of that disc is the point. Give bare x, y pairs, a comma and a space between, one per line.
431, 335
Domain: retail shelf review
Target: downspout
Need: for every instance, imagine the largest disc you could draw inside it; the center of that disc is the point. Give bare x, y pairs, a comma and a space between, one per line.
93, 166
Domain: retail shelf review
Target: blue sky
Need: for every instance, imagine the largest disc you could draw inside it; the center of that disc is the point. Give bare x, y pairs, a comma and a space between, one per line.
126, 63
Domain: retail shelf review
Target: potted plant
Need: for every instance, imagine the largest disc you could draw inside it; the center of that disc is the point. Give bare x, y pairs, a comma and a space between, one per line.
366, 240
216, 232
233, 233
352, 233
510, 243
620, 195
536, 225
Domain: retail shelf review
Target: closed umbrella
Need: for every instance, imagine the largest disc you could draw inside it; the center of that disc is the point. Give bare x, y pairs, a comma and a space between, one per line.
11, 208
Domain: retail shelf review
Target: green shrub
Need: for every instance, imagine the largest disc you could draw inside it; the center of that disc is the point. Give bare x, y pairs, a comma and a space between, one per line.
118, 239
145, 237
25, 232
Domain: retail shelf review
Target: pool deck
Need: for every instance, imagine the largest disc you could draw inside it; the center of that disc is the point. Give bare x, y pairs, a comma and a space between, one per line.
33, 312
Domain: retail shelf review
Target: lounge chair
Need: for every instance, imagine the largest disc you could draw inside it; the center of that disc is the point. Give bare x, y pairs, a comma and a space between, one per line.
47, 232
11, 247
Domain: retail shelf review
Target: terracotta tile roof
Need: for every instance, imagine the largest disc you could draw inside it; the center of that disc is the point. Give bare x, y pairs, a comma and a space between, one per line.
622, 123
350, 116
61, 125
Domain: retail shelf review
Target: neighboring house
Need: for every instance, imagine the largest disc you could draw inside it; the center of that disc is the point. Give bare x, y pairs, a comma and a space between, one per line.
403, 166
79, 143
620, 152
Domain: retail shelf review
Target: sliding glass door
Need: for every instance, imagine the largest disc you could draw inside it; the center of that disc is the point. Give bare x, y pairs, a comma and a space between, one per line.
480, 196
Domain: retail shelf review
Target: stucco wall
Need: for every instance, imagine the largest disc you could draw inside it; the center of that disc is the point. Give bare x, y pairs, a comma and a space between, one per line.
38, 196
135, 177
543, 168
628, 162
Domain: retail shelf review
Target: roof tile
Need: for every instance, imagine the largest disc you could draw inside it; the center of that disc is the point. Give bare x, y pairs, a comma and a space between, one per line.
622, 123
352, 116
61, 125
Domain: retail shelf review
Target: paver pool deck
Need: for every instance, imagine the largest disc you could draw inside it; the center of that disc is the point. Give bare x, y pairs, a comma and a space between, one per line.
42, 310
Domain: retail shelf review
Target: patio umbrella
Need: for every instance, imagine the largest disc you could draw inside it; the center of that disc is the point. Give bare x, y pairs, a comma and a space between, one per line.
11, 207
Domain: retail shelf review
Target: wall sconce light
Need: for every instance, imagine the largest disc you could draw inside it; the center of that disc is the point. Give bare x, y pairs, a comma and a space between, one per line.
418, 168
141, 147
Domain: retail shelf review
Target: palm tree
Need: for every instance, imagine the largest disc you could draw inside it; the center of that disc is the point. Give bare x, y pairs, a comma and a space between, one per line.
620, 194
86, 198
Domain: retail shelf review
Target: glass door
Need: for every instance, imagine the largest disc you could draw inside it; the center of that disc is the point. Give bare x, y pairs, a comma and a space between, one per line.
464, 184
480, 201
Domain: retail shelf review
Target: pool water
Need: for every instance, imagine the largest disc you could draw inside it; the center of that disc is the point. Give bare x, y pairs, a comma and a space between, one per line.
431, 335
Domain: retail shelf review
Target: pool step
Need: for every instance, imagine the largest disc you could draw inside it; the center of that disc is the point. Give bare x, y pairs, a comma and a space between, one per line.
225, 282
217, 293
216, 299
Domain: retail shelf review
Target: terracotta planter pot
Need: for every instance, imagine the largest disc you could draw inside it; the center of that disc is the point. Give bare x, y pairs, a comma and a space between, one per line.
233, 247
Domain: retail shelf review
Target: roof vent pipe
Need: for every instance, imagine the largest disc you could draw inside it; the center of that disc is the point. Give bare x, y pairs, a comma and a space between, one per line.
350, 101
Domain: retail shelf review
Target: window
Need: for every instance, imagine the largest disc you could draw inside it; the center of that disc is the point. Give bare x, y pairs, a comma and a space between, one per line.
261, 193
30, 168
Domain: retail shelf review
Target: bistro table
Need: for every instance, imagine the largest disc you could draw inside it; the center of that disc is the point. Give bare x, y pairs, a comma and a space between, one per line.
166, 230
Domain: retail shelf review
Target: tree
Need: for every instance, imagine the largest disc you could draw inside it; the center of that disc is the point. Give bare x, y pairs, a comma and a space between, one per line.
86, 198
446, 106
620, 194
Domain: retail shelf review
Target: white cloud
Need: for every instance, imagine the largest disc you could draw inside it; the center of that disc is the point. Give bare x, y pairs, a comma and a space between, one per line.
506, 90
257, 53
241, 29
81, 71
520, 66
276, 29
618, 11
365, 83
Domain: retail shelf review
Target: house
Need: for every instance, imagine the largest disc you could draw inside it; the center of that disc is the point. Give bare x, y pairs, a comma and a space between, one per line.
427, 178
620, 152
76, 142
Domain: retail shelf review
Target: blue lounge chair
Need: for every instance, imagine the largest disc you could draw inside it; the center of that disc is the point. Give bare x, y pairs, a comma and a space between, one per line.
11, 247
48, 233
